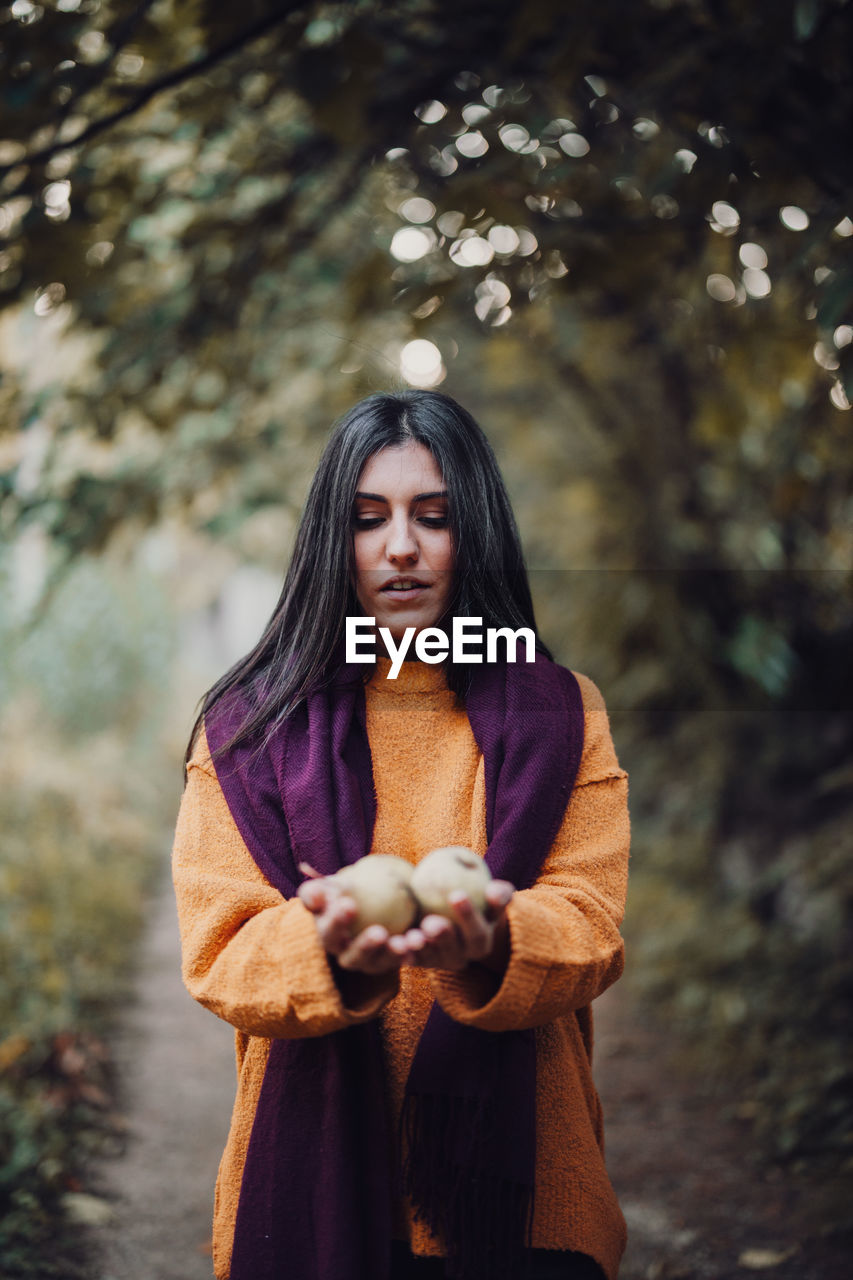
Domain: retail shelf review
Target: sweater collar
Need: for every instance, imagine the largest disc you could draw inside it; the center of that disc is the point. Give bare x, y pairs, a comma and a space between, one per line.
413, 677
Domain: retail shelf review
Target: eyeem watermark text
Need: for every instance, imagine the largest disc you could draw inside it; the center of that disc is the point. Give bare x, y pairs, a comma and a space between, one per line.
433, 645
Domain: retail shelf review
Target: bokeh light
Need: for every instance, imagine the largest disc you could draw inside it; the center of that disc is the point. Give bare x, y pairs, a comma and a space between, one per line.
421, 363
417, 209
49, 298
411, 243
574, 145
471, 251
721, 288
824, 357
504, 239
472, 144
752, 255
838, 396
493, 295
57, 200
664, 206
756, 282
516, 138
793, 217
724, 217
527, 242
474, 113
451, 222
431, 112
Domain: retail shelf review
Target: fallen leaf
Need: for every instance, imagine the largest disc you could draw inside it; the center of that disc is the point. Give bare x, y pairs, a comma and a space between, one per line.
89, 1211
761, 1259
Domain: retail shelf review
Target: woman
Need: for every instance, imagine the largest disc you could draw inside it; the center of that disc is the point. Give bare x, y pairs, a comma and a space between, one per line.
418, 1104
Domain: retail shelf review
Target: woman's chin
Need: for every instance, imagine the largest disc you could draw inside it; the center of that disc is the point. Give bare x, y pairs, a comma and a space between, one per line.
399, 619
399, 626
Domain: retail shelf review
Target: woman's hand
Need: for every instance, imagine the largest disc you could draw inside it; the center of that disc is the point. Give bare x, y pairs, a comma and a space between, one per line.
435, 943
438, 943
334, 912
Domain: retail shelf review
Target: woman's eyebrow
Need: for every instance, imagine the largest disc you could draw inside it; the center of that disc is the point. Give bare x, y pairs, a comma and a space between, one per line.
418, 497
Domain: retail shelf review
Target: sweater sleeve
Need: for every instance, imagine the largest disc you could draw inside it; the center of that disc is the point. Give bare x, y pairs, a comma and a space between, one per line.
250, 955
565, 945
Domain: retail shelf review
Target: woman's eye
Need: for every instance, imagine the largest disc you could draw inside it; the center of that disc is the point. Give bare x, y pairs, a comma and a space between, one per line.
434, 522
366, 522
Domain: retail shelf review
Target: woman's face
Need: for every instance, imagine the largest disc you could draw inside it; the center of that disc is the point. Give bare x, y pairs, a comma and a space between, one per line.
401, 539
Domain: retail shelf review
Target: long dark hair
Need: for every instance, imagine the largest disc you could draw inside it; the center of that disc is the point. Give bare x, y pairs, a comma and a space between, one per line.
301, 647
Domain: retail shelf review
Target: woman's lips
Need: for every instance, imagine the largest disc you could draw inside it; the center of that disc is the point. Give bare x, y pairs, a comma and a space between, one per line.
409, 593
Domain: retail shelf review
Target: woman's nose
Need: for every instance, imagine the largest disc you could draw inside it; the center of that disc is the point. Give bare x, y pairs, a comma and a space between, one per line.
402, 543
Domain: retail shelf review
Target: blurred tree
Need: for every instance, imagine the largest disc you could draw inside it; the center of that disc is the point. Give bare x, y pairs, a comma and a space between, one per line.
639, 187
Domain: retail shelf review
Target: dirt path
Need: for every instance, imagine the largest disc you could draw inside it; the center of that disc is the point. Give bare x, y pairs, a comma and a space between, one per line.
697, 1208
177, 1065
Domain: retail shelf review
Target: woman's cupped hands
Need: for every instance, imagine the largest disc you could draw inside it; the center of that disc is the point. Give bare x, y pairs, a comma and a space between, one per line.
433, 943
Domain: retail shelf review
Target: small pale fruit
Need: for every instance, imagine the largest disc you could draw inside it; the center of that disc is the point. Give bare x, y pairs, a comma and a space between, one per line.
441, 872
379, 886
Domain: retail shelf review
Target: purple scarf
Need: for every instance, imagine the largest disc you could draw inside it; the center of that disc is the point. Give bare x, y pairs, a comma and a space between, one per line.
322, 1164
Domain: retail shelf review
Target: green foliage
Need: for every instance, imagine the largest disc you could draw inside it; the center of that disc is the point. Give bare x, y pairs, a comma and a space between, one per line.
758, 974
49, 1121
740, 910
739, 923
32, 1145
101, 650
81, 832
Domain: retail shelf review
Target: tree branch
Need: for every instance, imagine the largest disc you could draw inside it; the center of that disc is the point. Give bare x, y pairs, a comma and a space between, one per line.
145, 94
92, 76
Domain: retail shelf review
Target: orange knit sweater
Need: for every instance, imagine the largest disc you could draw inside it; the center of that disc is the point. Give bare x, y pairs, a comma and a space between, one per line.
255, 958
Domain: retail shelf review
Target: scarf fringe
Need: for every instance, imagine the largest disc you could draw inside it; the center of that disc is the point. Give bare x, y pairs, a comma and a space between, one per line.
483, 1220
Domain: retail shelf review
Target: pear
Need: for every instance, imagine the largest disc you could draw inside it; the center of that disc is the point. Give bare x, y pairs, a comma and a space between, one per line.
440, 872
379, 886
